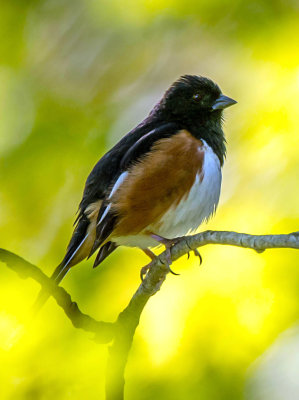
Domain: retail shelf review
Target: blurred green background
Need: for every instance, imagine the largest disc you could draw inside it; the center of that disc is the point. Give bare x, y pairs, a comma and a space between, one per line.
75, 76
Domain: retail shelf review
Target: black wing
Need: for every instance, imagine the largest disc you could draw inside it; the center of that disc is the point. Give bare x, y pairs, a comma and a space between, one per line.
145, 143
105, 173
106, 218
106, 170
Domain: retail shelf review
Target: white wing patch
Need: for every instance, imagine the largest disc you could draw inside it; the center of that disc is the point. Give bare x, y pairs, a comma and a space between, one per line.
117, 184
90, 210
104, 214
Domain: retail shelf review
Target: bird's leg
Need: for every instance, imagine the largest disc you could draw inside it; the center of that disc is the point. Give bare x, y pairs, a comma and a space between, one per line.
149, 253
168, 243
144, 269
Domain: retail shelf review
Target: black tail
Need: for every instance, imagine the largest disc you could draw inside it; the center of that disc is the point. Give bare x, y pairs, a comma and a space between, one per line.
43, 295
77, 241
104, 252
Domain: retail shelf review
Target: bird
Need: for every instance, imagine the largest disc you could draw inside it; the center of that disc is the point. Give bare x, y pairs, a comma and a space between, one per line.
158, 183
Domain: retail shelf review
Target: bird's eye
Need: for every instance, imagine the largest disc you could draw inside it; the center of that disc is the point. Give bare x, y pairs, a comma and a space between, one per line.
196, 97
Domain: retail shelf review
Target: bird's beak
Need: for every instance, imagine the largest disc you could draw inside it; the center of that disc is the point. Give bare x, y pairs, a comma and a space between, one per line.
223, 102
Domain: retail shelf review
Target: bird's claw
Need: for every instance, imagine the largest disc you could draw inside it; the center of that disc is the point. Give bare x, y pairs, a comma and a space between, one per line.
196, 253
168, 243
170, 270
168, 256
144, 271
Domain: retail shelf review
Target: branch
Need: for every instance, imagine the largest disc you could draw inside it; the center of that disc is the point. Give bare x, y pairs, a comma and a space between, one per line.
258, 243
122, 331
104, 331
128, 319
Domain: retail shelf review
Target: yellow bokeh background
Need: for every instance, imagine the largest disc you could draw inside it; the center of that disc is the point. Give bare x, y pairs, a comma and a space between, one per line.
74, 78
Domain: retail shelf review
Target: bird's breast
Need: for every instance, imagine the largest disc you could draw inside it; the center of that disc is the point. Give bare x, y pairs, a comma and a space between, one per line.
183, 207
198, 205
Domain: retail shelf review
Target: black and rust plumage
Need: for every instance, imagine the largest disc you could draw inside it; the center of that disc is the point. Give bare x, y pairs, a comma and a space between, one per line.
159, 181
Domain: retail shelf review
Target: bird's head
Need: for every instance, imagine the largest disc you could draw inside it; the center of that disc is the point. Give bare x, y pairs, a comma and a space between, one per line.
194, 97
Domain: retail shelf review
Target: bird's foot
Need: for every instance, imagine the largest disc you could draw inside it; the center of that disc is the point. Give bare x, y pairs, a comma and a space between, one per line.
144, 270
168, 243
152, 256
149, 253
196, 253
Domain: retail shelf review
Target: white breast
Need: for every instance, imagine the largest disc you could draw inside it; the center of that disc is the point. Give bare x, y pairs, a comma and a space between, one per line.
201, 202
187, 216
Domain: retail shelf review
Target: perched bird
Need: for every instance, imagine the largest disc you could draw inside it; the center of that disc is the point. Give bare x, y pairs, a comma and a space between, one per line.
159, 182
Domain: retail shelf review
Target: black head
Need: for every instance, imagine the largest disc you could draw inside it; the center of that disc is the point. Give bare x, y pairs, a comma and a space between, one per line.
194, 98
195, 103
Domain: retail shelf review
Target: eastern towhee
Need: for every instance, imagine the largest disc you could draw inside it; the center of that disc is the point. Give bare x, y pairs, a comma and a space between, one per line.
159, 182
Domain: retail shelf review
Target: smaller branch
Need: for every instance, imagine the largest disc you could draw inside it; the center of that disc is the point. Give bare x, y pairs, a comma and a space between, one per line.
123, 329
126, 325
256, 242
104, 331
128, 319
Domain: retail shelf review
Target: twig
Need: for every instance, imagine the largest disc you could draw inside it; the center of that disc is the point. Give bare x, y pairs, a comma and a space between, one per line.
122, 331
128, 320
104, 331
126, 325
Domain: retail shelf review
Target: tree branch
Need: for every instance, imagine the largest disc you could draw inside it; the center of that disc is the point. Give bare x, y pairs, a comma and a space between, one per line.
122, 331
128, 319
104, 331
